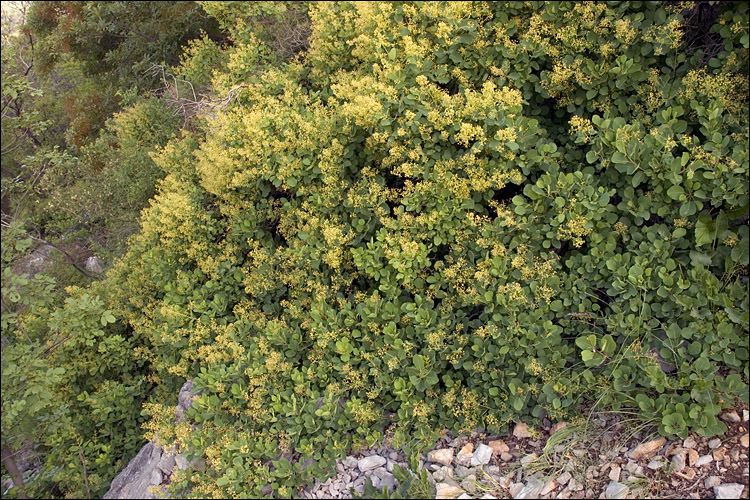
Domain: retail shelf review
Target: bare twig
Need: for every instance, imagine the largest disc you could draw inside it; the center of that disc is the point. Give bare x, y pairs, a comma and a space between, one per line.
85, 475
191, 105
70, 258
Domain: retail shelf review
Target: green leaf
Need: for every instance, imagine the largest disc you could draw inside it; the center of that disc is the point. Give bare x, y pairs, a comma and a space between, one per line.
418, 362
675, 192
705, 230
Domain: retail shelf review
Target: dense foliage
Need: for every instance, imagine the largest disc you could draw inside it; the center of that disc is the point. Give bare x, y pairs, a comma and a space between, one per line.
438, 215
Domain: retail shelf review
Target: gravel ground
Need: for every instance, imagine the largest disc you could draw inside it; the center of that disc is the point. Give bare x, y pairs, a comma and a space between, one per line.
603, 456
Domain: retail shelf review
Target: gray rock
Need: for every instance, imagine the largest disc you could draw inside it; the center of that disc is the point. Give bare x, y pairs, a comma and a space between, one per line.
369, 463
135, 478
655, 464
470, 484
464, 459
730, 416
678, 462
729, 490
167, 463
464, 496
93, 265
515, 489
156, 477
532, 489
389, 482
482, 455
714, 443
461, 471
506, 457
564, 478
350, 462
616, 490
705, 459
745, 415
184, 400
380, 472
528, 459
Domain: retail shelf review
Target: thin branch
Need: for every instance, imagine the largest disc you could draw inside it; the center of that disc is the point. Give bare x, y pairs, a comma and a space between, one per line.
85, 475
70, 258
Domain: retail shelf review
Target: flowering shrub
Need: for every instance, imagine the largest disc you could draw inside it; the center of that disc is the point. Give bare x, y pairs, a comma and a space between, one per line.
450, 215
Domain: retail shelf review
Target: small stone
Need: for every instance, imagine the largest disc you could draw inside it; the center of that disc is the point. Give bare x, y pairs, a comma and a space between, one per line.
714, 443
745, 415
689, 442
729, 490
488, 496
525, 461
616, 490
693, 457
482, 455
712, 481
369, 463
647, 449
470, 484
521, 431
465, 459
532, 490
498, 447
465, 496
549, 487
745, 440
564, 478
460, 471
515, 489
445, 490
557, 427
574, 485
389, 482
655, 464
687, 473
730, 416
719, 454
466, 449
614, 473
705, 459
506, 457
393, 455
350, 462
678, 462
442, 456
380, 472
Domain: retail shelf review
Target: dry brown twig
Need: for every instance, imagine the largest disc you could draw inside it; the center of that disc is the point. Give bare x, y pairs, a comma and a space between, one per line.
191, 105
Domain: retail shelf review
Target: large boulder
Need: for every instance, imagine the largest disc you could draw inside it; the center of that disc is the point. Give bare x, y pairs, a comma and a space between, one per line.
153, 465
149, 468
